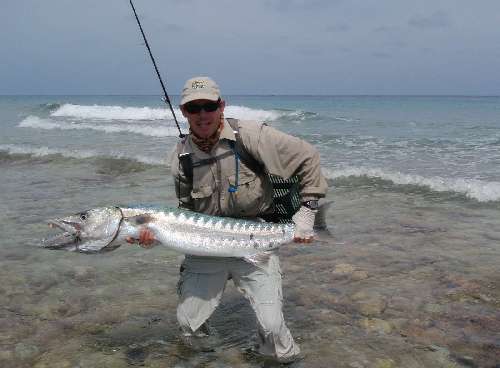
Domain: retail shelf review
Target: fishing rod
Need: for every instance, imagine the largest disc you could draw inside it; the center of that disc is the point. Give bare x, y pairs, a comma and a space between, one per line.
166, 99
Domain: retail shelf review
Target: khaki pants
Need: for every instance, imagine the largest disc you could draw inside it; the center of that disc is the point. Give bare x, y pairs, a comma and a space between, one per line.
202, 284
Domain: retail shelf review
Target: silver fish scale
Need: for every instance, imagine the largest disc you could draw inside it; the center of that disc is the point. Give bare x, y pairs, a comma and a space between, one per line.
199, 234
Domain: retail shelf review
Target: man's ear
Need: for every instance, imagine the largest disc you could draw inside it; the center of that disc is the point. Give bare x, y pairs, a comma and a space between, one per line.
222, 105
183, 110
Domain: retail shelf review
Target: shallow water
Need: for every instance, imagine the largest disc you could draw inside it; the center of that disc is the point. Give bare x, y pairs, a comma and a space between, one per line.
406, 281
410, 277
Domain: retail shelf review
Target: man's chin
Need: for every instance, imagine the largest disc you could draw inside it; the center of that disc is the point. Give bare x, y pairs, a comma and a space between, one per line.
203, 133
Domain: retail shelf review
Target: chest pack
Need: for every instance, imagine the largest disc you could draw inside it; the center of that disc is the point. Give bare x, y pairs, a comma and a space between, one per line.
286, 199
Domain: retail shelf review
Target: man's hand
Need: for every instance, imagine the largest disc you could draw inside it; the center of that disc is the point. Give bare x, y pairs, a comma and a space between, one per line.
304, 224
146, 239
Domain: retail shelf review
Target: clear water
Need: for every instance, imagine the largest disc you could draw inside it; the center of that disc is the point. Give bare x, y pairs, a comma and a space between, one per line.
409, 279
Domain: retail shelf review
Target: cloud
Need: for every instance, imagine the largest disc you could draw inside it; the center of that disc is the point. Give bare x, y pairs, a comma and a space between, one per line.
333, 28
381, 55
383, 29
438, 19
174, 28
288, 5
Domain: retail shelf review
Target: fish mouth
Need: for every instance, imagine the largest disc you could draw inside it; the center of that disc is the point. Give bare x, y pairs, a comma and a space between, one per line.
67, 239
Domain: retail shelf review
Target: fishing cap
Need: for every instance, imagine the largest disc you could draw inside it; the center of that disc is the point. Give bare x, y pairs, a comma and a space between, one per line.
200, 88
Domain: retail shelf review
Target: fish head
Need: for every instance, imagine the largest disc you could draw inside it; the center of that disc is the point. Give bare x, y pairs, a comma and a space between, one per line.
90, 231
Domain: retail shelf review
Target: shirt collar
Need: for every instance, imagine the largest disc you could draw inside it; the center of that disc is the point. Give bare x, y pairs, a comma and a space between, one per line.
227, 132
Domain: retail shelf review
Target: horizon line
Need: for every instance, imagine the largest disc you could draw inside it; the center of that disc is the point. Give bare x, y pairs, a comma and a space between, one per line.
257, 95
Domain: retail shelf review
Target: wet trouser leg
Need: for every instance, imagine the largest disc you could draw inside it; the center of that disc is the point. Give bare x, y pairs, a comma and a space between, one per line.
199, 296
261, 285
200, 293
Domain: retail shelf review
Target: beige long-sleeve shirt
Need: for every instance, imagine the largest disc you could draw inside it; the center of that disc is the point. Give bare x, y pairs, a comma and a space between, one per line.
280, 154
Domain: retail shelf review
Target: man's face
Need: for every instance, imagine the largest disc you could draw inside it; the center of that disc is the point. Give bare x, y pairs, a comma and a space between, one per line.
202, 120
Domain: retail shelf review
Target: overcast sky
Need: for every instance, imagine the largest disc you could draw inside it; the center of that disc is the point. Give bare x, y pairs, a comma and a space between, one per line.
252, 46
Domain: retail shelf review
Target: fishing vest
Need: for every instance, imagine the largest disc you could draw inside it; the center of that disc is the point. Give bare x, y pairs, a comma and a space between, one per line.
286, 198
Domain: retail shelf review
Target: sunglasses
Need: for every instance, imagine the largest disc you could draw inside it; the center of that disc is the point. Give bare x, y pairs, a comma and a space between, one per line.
194, 108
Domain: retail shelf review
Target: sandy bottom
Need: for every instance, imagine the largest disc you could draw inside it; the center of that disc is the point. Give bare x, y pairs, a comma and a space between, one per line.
407, 280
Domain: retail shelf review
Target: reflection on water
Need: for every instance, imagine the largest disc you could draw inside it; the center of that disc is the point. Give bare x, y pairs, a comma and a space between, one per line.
405, 282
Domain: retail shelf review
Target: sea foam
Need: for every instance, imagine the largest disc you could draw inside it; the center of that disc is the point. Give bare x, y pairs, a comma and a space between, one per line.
102, 112
143, 129
43, 151
246, 113
482, 191
110, 113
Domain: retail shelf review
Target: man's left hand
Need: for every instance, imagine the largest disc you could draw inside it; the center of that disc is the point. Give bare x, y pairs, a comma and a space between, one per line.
304, 225
146, 239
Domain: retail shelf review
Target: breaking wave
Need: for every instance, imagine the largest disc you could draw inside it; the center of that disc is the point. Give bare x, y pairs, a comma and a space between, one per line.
481, 191
246, 113
144, 129
154, 122
27, 151
100, 112
110, 113
48, 107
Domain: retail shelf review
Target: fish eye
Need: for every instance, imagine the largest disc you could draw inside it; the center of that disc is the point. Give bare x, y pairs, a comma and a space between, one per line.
83, 216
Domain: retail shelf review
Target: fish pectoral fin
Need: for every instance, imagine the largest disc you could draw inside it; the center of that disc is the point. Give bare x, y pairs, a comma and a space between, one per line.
140, 219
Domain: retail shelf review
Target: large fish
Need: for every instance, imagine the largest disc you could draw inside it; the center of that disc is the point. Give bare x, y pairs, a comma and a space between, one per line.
105, 229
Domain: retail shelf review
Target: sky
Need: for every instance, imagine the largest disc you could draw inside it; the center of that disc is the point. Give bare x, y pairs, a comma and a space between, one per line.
335, 47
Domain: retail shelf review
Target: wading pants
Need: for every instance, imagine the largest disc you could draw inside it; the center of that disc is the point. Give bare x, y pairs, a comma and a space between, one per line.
202, 284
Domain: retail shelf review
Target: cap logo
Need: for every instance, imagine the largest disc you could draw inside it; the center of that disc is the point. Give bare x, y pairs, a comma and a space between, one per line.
198, 84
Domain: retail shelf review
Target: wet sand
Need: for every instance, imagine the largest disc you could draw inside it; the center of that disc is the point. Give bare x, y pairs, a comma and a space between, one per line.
407, 280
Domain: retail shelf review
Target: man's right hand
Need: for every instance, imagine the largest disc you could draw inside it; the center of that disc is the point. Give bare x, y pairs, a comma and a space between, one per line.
146, 239
304, 225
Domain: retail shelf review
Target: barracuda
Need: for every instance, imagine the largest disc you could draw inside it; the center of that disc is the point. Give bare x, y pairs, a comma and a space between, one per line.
106, 228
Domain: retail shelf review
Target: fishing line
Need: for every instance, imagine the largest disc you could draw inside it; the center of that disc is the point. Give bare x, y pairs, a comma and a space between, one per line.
166, 99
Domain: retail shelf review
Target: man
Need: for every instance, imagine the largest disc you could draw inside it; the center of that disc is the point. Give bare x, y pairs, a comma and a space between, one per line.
220, 183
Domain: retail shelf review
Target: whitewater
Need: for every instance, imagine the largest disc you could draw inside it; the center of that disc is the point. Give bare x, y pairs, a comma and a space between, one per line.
441, 153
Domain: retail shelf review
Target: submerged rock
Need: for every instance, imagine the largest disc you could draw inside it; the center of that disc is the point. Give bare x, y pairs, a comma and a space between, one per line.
348, 270
369, 304
343, 269
24, 351
103, 360
81, 273
359, 275
433, 308
398, 324
55, 364
441, 357
385, 363
376, 325
6, 355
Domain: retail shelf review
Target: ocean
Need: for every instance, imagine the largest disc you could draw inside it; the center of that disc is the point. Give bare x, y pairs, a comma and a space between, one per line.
409, 278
